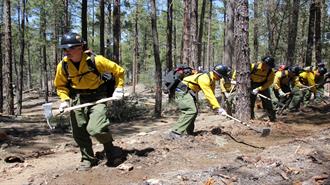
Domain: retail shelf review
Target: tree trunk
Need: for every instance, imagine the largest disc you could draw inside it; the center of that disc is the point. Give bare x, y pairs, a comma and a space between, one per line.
310, 37
29, 70
109, 39
21, 63
186, 33
208, 52
1, 72
229, 38
200, 34
44, 51
169, 56
194, 32
270, 26
102, 27
8, 85
256, 31
84, 22
242, 60
66, 27
116, 31
136, 49
158, 72
293, 29
318, 46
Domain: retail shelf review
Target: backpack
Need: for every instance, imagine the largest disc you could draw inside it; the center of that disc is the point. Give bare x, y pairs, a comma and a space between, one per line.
108, 78
254, 70
172, 78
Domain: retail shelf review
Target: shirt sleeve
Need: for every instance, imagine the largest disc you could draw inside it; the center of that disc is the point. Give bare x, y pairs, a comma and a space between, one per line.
61, 82
204, 82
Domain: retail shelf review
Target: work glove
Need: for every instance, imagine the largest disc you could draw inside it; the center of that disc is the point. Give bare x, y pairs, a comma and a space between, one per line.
281, 93
118, 93
255, 91
63, 105
226, 94
222, 112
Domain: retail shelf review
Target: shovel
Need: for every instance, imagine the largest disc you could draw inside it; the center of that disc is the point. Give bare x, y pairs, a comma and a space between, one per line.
49, 113
264, 132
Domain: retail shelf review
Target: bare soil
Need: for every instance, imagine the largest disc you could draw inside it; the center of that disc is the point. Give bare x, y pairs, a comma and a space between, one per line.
222, 152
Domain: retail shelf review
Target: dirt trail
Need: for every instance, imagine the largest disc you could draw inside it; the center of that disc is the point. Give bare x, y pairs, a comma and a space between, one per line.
297, 151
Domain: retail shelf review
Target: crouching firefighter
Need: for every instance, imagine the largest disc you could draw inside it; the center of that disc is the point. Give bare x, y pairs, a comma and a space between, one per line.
185, 96
79, 80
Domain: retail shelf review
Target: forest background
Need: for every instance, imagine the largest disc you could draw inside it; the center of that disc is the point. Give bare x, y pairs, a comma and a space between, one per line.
148, 37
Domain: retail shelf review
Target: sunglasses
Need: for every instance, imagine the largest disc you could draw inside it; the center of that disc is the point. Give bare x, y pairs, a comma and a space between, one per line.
71, 48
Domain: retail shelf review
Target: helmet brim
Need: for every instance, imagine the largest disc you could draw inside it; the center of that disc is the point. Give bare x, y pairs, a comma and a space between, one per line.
66, 46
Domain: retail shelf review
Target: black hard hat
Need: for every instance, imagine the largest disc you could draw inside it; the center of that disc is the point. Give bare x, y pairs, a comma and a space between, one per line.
322, 70
321, 64
296, 70
222, 70
269, 61
71, 39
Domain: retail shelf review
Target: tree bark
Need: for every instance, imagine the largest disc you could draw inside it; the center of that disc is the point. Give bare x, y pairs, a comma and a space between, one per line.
169, 31
158, 72
200, 34
229, 36
8, 85
66, 27
116, 31
136, 49
186, 33
310, 37
109, 39
194, 32
102, 27
84, 22
21, 62
1, 72
256, 30
208, 52
318, 45
242, 53
44, 51
293, 28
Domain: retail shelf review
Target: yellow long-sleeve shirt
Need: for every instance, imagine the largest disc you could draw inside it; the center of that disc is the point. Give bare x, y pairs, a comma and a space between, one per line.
206, 83
308, 78
84, 78
226, 84
260, 76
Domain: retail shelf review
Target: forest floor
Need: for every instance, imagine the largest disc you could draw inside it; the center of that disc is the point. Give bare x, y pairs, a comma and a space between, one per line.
297, 151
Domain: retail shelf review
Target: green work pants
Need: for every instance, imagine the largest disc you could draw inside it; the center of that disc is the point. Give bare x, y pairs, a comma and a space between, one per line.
297, 98
319, 94
187, 105
89, 121
266, 104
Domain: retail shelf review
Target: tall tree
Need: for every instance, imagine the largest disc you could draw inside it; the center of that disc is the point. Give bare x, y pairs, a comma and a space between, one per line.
102, 27
84, 22
256, 30
186, 33
200, 34
1, 61
43, 34
109, 54
208, 52
116, 31
270, 5
158, 65
66, 26
136, 48
310, 37
194, 32
169, 33
293, 29
8, 85
229, 36
242, 57
318, 46
21, 62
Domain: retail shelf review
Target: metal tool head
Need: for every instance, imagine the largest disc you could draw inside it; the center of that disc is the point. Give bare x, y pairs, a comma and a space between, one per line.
48, 113
265, 132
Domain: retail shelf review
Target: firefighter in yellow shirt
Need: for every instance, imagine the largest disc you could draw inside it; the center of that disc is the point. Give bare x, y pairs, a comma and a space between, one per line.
284, 81
76, 83
262, 77
227, 87
185, 96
